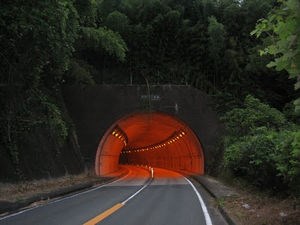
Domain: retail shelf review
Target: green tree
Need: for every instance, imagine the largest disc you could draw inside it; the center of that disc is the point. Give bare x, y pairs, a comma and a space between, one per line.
117, 21
101, 39
87, 10
37, 34
283, 29
216, 44
36, 41
96, 43
241, 121
262, 147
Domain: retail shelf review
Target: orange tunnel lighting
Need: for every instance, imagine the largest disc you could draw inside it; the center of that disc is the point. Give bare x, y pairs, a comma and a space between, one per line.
150, 139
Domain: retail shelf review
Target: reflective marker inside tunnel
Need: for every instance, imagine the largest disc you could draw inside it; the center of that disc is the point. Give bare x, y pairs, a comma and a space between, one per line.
150, 139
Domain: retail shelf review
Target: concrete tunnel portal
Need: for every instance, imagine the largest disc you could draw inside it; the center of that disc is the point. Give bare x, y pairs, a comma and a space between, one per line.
150, 138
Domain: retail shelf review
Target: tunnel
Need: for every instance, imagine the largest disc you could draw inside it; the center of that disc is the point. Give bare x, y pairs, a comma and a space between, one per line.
150, 139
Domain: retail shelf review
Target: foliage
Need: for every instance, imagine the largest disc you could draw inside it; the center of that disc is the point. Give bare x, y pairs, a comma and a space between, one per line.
108, 40
283, 27
203, 43
51, 117
216, 34
38, 42
267, 159
287, 156
241, 121
260, 147
80, 73
38, 34
87, 10
117, 21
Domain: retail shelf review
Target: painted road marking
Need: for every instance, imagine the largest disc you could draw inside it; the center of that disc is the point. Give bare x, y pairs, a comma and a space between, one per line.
105, 214
62, 199
203, 206
117, 206
136, 193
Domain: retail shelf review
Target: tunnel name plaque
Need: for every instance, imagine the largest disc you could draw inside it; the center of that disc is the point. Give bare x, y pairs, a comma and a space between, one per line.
151, 97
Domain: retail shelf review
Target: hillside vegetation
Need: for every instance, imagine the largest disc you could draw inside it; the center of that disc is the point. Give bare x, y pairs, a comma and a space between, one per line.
221, 47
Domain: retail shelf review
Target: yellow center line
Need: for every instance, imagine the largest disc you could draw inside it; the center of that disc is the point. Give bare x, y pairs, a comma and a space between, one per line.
116, 207
105, 214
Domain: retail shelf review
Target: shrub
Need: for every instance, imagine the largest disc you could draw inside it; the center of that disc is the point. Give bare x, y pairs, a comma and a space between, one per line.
261, 148
241, 121
251, 158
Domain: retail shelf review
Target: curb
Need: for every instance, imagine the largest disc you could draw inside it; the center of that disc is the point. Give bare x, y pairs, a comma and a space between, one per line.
11, 207
226, 216
222, 210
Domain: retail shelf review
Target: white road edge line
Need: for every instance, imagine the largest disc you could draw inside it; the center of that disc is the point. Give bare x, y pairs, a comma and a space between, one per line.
203, 206
136, 193
61, 199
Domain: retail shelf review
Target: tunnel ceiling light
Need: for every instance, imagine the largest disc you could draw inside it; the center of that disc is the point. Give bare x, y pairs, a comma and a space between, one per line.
177, 135
120, 134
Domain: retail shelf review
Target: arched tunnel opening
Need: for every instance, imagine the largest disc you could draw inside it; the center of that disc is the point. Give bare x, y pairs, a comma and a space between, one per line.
150, 139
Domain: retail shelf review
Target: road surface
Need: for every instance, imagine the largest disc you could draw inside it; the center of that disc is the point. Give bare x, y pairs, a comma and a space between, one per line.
166, 198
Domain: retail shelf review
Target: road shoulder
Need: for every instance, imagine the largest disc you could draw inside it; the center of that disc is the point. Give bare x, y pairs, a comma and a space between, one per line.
211, 202
33, 198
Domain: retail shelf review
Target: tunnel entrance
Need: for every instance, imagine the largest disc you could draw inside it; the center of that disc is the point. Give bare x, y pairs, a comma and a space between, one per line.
151, 139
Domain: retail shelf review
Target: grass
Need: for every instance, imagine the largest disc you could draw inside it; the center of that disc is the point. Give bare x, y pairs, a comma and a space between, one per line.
17, 191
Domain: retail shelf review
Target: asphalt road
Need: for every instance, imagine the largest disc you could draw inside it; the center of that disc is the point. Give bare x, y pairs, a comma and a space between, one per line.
136, 199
